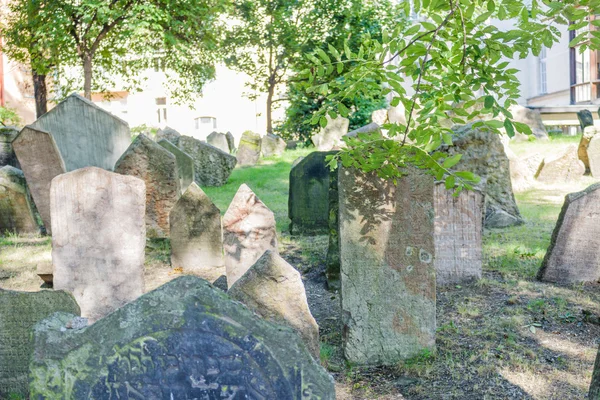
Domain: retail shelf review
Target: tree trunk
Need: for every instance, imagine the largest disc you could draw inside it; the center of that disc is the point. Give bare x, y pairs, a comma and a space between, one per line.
270, 107
87, 76
40, 93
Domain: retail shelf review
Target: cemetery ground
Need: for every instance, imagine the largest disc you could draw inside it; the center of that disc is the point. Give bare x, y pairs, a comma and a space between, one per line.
506, 336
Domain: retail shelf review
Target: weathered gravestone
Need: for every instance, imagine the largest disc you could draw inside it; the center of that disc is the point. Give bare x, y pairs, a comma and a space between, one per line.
308, 201
16, 213
248, 231
273, 289
184, 340
373, 127
41, 161
458, 231
575, 242
212, 166
565, 167
196, 235
594, 392
582, 151
85, 134
19, 312
332, 262
230, 141
330, 137
7, 154
387, 267
99, 238
218, 140
272, 145
248, 151
169, 134
585, 118
593, 153
157, 167
185, 164
530, 117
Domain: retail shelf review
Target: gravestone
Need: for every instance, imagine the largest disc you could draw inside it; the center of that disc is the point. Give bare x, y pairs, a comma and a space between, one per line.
85, 134
19, 312
16, 213
373, 127
332, 262
272, 145
593, 153
230, 141
330, 137
308, 201
185, 164
565, 167
218, 140
575, 241
157, 167
7, 154
212, 166
397, 114
380, 117
582, 151
248, 151
40, 161
585, 118
184, 340
196, 235
169, 134
530, 117
387, 266
291, 144
273, 289
99, 238
594, 392
248, 231
458, 231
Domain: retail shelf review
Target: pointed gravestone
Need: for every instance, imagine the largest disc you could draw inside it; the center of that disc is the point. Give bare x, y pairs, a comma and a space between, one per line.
99, 238
7, 154
565, 167
169, 134
273, 289
248, 231
248, 151
16, 214
585, 119
157, 167
387, 266
184, 340
19, 312
575, 241
458, 231
185, 164
218, 140
41, 161
196, 235
593, 154
272, 145
212, 166
330, 137
85, 134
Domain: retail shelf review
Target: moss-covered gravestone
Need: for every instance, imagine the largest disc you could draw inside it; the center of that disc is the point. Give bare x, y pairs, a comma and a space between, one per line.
184, 340
19, 312
212, 166
185, 164
248, 151
16, 212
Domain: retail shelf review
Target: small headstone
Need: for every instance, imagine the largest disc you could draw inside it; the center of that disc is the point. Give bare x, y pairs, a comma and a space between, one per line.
291, 144
230, 141
212, 166
157, 167
575, 242
85, 134
593, 153
330, 137
585, 118
248, 231
16, 214
458, 231
387, 264
530, 117
248, 151
99, 238
7, 154
582, 151
41, 161
184, 340
566, 167
19, 312
169, 134
218, 140
196, 235
272, 145
185, 164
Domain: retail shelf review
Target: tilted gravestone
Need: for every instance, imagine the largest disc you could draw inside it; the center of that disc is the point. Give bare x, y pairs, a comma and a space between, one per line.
184, 340
458, 231
99, 238
185, 164
272, 145
593, 154
575, 241
169, 134
218, 140
273, 289
196, 235
212, 166
582, 151
248, 231
85, 134
308, 201
41, 161
248, 151
16, 213
330, 137
19, 312
157, 167
387, 267
564, 167
585, 118
7, 154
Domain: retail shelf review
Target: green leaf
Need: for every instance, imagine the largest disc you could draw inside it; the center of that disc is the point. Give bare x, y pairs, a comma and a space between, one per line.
451, 161
323, 55
494, 123
510, 130
323, 122
450, 181
489, 101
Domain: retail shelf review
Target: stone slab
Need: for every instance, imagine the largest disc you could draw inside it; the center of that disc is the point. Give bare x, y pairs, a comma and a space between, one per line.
7, 154
332, 262
562, 168
272, 145
218, 140
169, 134
531, 118
16, 212
248, 152
593, 154
582, 151
330, 137
212, 166
185, 164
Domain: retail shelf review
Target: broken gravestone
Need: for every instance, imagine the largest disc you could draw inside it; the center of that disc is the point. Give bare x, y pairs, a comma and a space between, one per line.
99, 238
585, 119
40, 161
16, 212
458, 231
582, 151
565, 167
7, 154
19, 312
184, 340
272, 145
387, 266
575, 241
212, 166
530, 117
248, 231
248, 151
218, 140
273, 289
593, 153
196, 235
330, 137
157, 167
169, 134
185, 164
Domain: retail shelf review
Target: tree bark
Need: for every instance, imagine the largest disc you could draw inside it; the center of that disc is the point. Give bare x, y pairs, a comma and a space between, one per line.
40, 93
87, 75
270, 108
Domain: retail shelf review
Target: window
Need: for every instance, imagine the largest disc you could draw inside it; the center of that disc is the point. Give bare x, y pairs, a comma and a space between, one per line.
543, 72
206, 123
161, 110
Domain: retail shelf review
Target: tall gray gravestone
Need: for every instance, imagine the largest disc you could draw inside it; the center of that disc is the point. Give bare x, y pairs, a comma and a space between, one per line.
86, 135
99, 238
212, 166
184, 340
7, 154
19, 312
16, 212
185, 164
248, 151
387, 266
